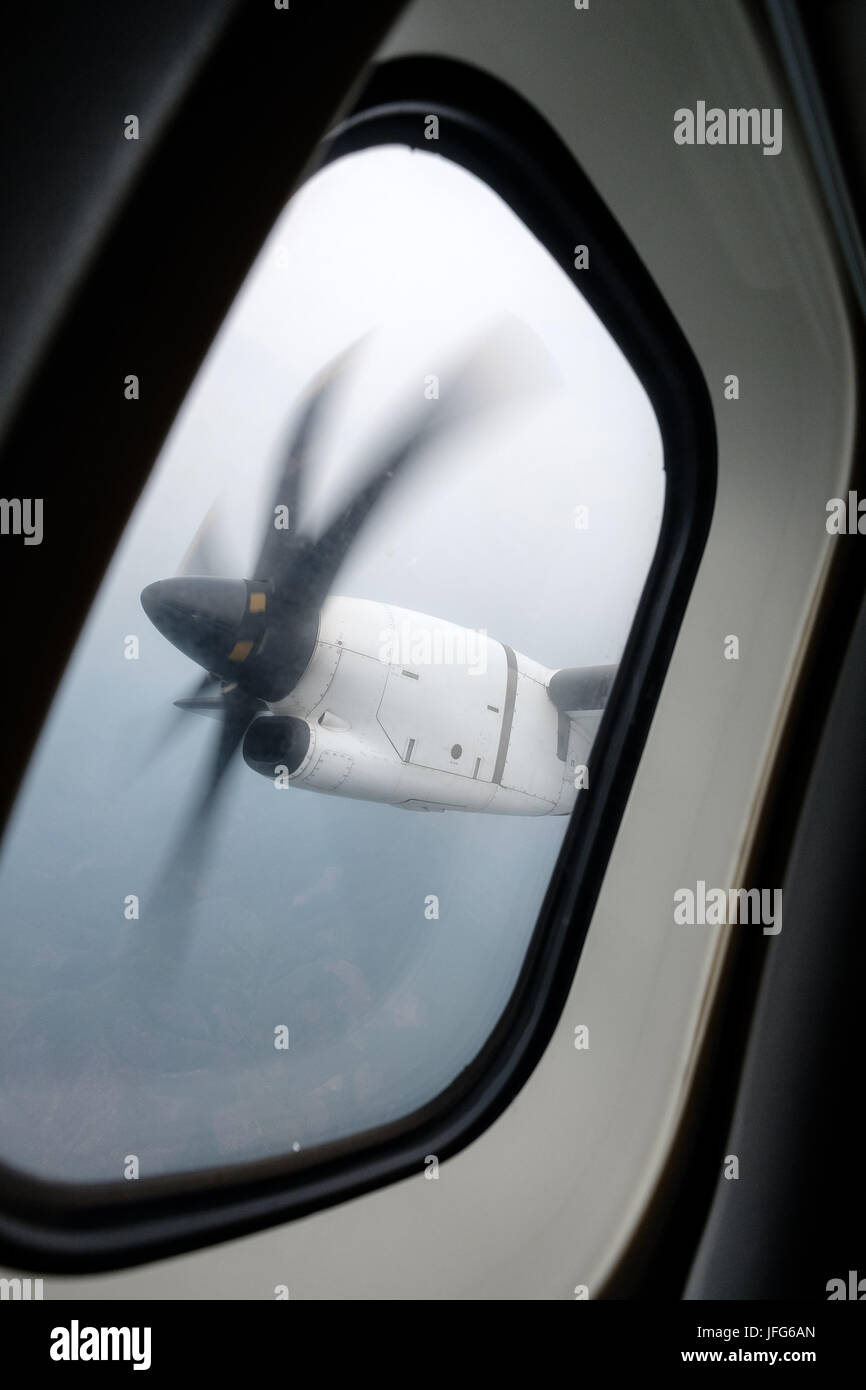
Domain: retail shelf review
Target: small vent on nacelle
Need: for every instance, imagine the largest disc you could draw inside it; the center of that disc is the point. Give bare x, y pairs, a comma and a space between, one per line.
329, 720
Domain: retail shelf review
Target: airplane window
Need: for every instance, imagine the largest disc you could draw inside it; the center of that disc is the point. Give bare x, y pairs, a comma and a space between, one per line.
282, 846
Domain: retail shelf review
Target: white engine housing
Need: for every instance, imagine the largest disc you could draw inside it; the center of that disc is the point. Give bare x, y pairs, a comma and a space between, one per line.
420, 713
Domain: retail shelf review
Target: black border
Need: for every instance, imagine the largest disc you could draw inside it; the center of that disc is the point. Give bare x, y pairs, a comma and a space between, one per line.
490, 130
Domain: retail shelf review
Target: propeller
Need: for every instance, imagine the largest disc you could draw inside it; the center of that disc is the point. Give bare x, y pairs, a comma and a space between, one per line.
205, 556
206, 553
257, 636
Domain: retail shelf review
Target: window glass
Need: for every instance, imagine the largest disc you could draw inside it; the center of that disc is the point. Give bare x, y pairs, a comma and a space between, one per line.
314, 961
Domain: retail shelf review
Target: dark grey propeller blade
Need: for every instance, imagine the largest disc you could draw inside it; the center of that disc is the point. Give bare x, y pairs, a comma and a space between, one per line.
239, 709
205, 554
211, 705
174, 721
281, 543
172, 913
473, 390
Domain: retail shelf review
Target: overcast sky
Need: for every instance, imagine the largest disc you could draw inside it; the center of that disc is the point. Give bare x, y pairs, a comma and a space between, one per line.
314, 911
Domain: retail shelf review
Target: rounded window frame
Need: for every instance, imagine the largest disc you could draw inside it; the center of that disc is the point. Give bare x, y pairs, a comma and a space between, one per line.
490, 130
